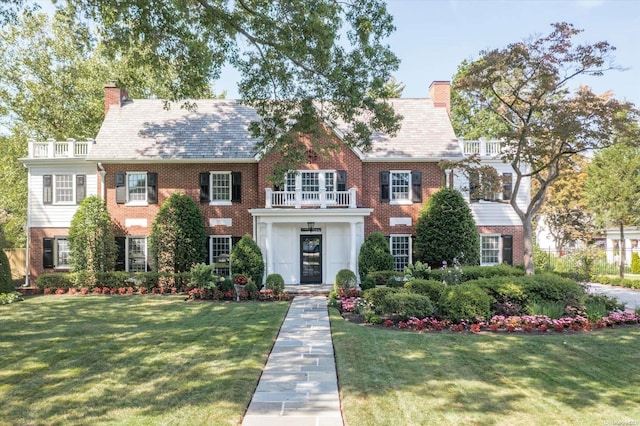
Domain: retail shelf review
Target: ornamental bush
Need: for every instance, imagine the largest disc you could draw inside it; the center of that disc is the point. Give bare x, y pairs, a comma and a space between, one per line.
635, 263
388, 278
376, 296
275, 282
374, 255
345, 279
446, 230
178, 239
246, 258
6, 284
404, 305
204, 276
430, 288
464, 302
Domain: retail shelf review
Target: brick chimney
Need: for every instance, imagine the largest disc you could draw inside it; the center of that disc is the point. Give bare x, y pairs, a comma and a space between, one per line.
113, 96
440, 93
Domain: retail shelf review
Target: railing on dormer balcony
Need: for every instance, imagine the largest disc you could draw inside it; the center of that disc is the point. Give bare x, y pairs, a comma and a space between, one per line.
70, 148
481, 147
321, 199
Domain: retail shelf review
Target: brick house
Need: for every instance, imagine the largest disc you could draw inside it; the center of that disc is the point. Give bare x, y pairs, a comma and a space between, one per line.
308, 229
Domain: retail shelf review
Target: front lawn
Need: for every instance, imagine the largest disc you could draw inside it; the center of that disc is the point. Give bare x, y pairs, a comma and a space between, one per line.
132, 359
394, 377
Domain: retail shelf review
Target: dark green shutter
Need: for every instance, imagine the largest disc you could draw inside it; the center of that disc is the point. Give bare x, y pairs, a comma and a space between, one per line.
416, 186
47, 253
384, 186
152, 188
121, 244
81, 188
121, 188
204, 187
236, 187
47, 189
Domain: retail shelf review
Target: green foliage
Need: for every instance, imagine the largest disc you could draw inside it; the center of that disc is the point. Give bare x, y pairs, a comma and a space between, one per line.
405, 305
178, 240
376, 296
367, 283
204, 276
56, 280
388, 278
8, 298
13, 191
345, 279
553, 310
275, 282
476, 272
374, 255
550, 288
430, 288
446, 230
246, 258
418, 270
6, 284
91, 238
464, 302
635, 263
621, 282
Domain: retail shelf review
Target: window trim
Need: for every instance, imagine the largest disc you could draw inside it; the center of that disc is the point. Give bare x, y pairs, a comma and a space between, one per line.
226, 202
498, 249
127, 249
50, 189
402, 201
210, 243
410, 248
144, 202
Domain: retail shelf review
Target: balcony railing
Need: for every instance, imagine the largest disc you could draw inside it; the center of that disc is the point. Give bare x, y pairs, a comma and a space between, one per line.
60, 149
481, 147
321, 199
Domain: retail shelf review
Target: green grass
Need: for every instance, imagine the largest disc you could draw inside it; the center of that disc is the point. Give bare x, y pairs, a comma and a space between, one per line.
137, 360
407, 378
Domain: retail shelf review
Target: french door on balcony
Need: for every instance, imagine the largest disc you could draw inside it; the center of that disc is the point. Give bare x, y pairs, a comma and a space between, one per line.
311, 259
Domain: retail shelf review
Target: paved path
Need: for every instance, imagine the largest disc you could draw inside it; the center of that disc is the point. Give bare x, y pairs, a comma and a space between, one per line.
299, 385
630, 297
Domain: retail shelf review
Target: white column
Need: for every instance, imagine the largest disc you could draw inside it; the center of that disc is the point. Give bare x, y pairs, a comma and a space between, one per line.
268, 202
352, 247
269, 248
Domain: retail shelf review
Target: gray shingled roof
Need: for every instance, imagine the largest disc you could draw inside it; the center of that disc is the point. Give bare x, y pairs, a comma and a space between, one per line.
143, 130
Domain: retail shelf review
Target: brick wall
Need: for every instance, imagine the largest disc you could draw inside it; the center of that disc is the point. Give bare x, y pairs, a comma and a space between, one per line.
36, 248
518, 239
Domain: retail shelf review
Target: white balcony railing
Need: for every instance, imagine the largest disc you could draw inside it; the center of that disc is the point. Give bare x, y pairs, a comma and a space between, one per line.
60, 149
321, 199
481, 147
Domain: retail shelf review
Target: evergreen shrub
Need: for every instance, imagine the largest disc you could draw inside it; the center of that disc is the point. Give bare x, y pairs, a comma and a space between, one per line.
430, 288
275, 282
376, 296
6, 283
404, 305
345, 279
246, 258
374, 255
464, 302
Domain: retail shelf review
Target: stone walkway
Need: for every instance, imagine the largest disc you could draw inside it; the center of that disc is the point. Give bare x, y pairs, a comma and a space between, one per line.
299, 384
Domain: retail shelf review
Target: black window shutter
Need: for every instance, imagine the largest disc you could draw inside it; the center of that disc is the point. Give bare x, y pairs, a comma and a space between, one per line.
507, 249
236, 187
208, 244
384, 186
47, 189
416, 186
47, 253
204, 187
234, 241
507, 186
121, 243
341, 180
474, 186
152, 188
81, 188
121, 188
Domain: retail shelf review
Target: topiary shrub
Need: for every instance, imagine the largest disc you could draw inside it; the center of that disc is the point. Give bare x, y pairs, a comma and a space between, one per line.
345, 279
246, 258
374, 255
376, 296
275, 282
178, 239
635, 263
404, 305
430, 288
6, 284
464, 302
446, 230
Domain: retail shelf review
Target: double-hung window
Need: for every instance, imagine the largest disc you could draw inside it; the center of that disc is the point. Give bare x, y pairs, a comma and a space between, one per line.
56, 253
132, 254
136, 188
400, 246
220, 249
489, 249
220, 187
401, 186
63, 189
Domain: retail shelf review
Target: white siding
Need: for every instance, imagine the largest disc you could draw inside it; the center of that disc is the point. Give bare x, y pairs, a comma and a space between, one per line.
56, 216
336, 250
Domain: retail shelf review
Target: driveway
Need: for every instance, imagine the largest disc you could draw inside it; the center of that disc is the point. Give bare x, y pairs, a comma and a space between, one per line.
630, 297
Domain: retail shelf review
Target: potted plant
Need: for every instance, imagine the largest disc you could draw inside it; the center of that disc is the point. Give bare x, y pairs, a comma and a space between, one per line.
239, 283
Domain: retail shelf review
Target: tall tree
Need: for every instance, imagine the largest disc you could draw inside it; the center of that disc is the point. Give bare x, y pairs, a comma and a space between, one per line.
303, 63
13, 191
565, 211
613, 189
527, 85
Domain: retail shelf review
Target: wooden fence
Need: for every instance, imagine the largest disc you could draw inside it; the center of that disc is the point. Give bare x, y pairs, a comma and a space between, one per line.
17, 261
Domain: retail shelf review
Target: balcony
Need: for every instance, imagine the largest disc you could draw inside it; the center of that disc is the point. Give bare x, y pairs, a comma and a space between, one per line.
317, 199
481, 147
58, 149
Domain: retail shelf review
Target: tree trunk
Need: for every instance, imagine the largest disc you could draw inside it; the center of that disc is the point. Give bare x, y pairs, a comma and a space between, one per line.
527, 231
622, 250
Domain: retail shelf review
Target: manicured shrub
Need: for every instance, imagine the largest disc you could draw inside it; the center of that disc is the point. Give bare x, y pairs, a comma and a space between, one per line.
430, 288
388, 278
464, 302
376, 296
6, 284
446, 230
367, 283
345, 279
635, 263
178, 239
476, 272
550, 287
91, 239
55, 280
405, 305
374, 255
246, 258
275, 282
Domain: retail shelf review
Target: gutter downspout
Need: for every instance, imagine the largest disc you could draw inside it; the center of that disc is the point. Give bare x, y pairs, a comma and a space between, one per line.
103, 189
